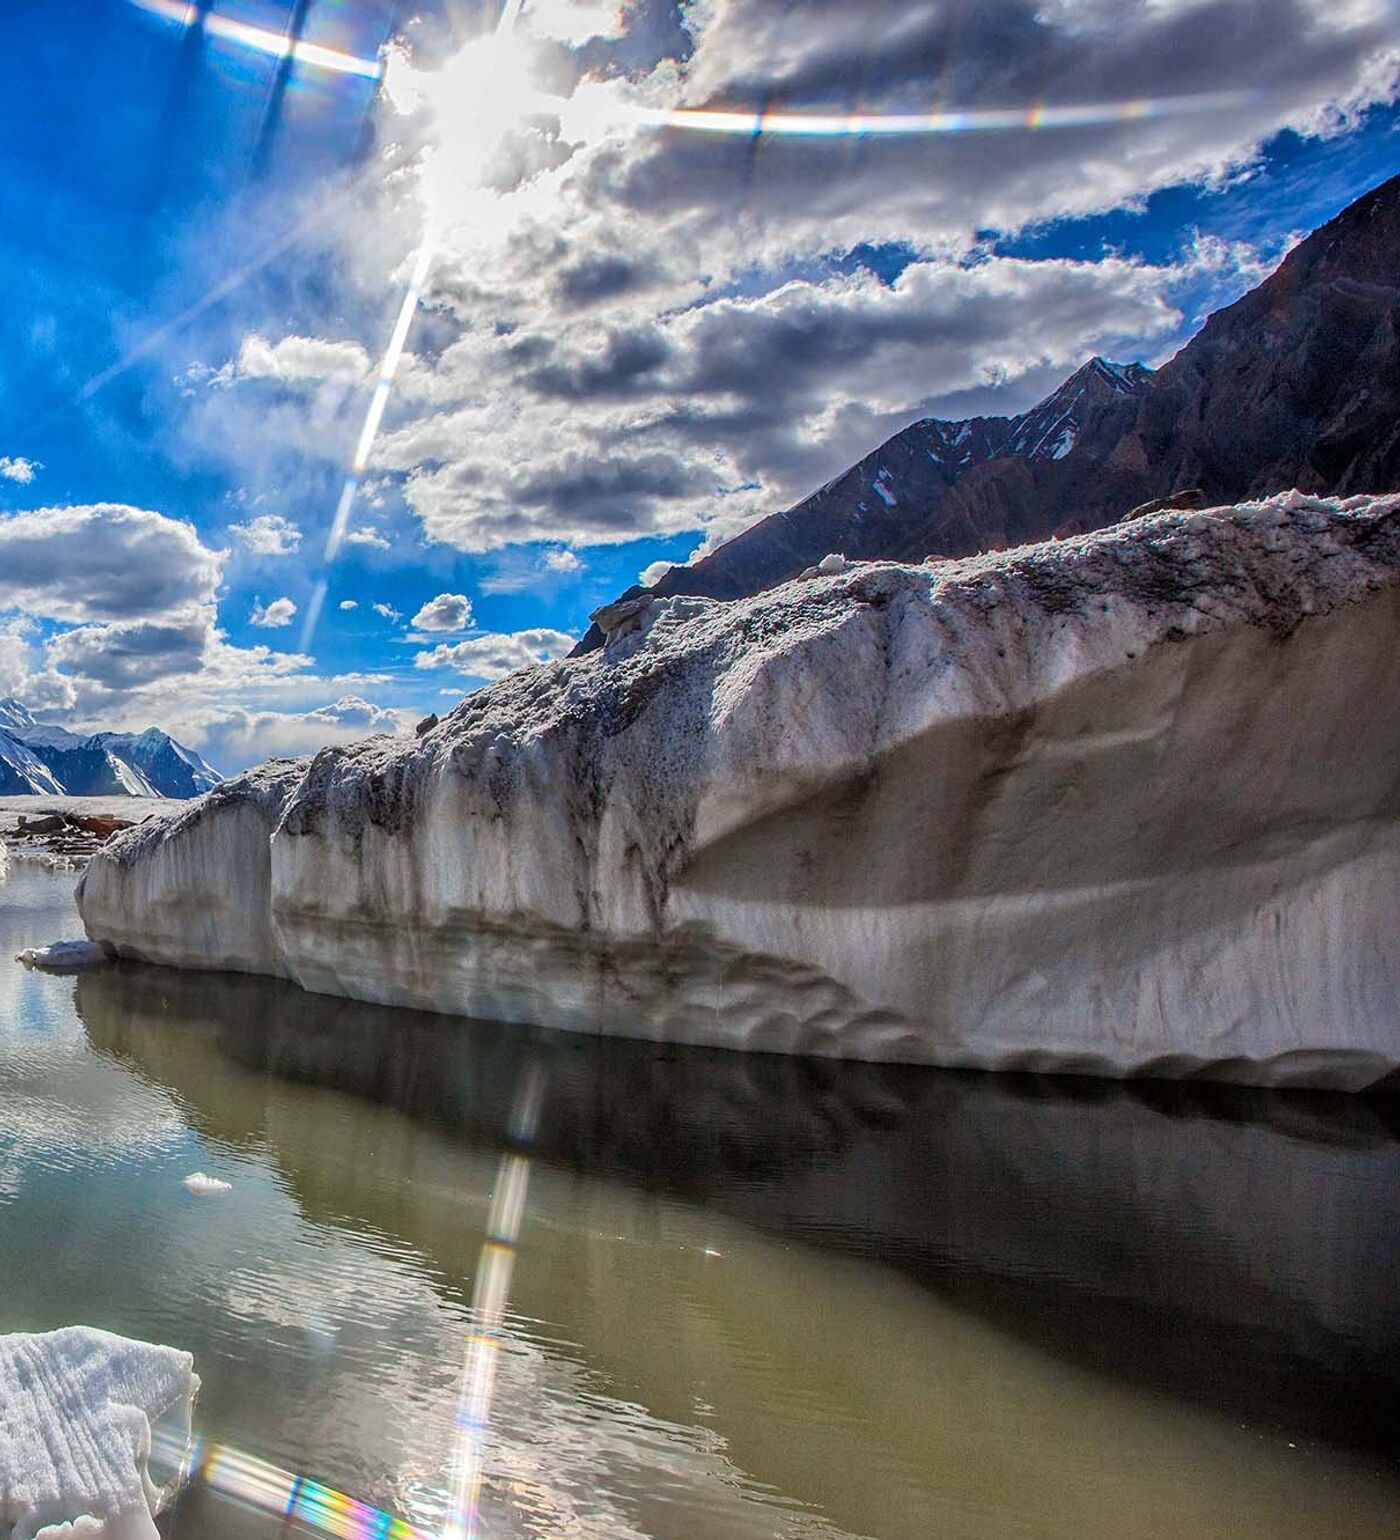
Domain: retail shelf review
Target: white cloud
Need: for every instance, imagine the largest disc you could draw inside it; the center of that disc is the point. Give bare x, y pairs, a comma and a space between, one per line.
17, 468
296, 360
268, 535
240, 736
561, 559
367, 537
575, 21
103, 562
654, 573
349, 604
497, 654
132, 653
386, 610
448, 612
278, 612
720, 360
16, 655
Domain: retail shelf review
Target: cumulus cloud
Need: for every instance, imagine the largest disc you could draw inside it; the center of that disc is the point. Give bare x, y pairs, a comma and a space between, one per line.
17, 468
349, 604
268, 535
448, 612
15, 655
127, 654
238, 736
103, 562
296, 360
562, 560
497, 654
724, 358
278, 612
721, 412
367, 537
386, 610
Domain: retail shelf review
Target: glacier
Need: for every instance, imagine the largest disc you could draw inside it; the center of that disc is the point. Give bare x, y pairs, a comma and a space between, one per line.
84, 1418
1124, 804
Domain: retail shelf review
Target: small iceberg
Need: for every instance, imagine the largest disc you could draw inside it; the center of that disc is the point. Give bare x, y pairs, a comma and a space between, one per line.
63, 956
81, 1412
204, 1186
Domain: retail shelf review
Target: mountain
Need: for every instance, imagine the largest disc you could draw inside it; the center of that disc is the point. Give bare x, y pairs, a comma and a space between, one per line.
55, 762
1297, 384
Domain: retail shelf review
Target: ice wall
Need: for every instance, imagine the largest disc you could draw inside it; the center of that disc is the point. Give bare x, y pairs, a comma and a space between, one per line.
1121, 804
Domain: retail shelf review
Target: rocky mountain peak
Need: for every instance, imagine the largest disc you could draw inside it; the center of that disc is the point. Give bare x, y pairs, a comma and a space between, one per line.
1297, 384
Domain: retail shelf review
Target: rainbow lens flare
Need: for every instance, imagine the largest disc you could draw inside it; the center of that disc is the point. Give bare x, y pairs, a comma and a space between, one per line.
277, 45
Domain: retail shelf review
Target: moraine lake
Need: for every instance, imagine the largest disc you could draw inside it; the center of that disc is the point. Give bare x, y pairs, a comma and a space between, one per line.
746, 1297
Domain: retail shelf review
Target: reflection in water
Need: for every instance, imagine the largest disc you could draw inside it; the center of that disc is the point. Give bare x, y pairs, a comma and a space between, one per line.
1234, 1246
489, 1298
752, 1298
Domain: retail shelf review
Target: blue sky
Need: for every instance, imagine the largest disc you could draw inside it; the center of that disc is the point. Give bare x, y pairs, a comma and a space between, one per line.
634, 339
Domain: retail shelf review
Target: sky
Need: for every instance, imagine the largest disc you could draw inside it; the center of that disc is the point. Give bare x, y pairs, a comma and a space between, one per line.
634, 324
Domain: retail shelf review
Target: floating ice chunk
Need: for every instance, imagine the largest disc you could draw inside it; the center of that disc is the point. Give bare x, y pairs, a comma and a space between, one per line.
81, 1412
203, 1186
4, 861
63, 955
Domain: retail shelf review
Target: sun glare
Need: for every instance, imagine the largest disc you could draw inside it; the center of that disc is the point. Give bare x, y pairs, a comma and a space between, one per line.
475, 101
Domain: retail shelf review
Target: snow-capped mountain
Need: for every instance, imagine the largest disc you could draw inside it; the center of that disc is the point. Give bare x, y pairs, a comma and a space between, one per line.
52, 761
1297, 384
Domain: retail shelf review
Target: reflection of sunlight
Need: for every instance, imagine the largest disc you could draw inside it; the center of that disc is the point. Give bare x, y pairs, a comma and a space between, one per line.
275, 44
489, 1299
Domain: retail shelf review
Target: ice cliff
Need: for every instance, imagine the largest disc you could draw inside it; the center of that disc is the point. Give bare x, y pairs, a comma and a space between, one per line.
86, 1422
1127, 803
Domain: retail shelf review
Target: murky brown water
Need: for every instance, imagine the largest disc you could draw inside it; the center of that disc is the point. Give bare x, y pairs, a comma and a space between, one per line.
752, 1297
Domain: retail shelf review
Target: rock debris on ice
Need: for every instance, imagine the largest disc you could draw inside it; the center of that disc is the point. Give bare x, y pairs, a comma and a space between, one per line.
1123, 803
81, 1412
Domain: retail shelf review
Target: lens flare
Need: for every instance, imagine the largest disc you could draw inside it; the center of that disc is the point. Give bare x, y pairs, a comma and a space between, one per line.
489, 1299
276, 45
818, 125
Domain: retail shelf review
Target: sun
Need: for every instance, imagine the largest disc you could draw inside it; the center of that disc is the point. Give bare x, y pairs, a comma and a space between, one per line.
476, 100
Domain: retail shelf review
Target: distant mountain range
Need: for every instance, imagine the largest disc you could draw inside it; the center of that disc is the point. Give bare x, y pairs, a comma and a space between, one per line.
52, 761
1296, 384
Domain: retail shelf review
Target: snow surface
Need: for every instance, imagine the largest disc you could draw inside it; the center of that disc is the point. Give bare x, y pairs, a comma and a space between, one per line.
80, 1411
1118, 804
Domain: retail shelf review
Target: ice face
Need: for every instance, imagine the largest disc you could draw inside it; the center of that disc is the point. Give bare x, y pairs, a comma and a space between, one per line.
81, 1412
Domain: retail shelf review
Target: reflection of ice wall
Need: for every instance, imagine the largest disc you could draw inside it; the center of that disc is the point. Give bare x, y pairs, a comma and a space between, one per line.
1122, 803
1227, 1246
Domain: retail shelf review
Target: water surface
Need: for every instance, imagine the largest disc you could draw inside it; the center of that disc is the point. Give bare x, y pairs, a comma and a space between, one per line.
752, 1297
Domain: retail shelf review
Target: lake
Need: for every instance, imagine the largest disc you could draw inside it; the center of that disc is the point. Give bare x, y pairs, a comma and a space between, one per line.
718, 1296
